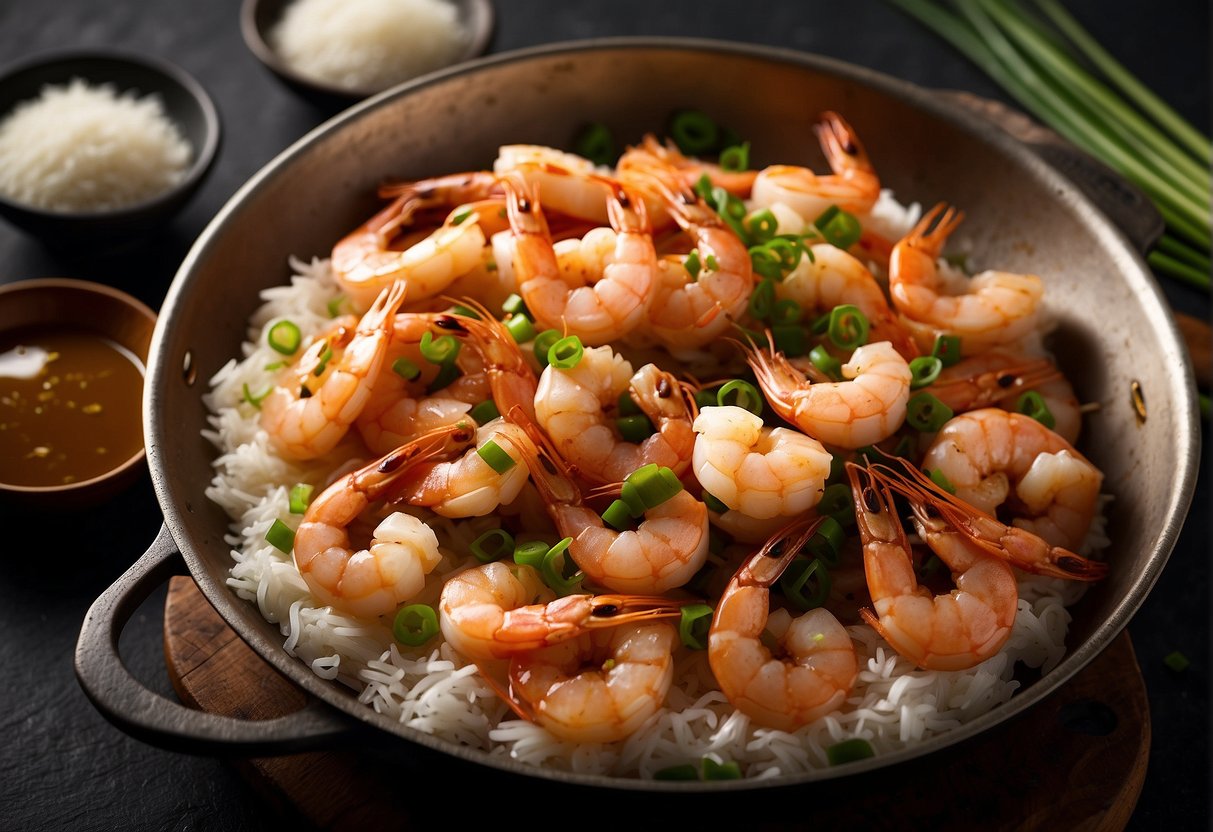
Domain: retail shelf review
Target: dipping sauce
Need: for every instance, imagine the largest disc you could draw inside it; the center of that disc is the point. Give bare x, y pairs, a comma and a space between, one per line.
69, 406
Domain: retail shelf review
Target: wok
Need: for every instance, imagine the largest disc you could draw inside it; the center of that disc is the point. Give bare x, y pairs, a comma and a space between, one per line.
1023, 215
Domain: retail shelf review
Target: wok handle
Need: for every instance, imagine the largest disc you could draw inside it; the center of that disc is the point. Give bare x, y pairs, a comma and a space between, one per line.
152, 718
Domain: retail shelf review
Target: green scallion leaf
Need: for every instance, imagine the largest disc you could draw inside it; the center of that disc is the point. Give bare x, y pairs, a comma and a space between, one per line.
654, 485
618, 516
300, 495
281, 537
495, 457
924, 370
693, 625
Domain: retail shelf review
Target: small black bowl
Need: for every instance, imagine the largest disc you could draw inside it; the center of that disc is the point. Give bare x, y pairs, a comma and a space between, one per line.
258, 18
185, 102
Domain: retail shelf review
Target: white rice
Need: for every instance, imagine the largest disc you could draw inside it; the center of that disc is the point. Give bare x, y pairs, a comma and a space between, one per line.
893, 704
79, 147
368, 44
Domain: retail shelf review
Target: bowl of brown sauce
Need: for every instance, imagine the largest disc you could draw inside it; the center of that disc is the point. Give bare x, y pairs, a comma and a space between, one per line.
72, 356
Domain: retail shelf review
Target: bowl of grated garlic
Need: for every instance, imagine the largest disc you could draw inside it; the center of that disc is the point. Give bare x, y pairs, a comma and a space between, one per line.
337, 52
99, 147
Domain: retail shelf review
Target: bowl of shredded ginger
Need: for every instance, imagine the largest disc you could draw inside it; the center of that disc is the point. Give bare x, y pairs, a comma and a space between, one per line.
72, 356
100, 146
336, 52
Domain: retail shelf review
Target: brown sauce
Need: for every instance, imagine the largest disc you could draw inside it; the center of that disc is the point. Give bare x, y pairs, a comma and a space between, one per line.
69, 406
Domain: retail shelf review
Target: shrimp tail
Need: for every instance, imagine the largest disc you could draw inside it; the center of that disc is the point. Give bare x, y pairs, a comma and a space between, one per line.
934, 229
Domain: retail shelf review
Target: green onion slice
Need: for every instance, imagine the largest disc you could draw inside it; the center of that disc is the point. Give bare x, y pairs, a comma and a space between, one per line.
838, 227
692, 264
714, 504
415, 624
654, 485
627, 405
440, 350
543, 344
514, 305
836, 499
787, 250
802, 572
848, 751
924, 370
284, 337
848, 327
825, 362
736, 158
786, 311
446, 374
762, 225
705, 398
553, 566
496, 458
618, 516
406, 369
686, 771
334, 305
630, 495
325, 358
694, 624
281, 537
492, 545
762, 299
521, 328
566, 353
460, 217
947, 349
530, 553
595, 142
741, 394
790, 339
926, 413
465, 311
255, 399
694, 132
485, 412
635, 428
937, 476
1033, 404
300, 496
713, 770
826, 545
765, 263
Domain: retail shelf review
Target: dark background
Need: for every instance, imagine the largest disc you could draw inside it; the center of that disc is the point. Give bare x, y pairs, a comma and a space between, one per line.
64, 767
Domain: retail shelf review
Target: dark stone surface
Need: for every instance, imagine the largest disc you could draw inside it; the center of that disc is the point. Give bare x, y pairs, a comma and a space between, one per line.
64, 767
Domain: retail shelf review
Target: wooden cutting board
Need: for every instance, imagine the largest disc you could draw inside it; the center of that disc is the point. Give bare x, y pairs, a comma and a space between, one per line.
1075, 761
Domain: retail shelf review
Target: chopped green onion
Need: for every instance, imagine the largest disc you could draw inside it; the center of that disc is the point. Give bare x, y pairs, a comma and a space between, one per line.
530, 553
566, 353
415, 624
947, 349
1177, 661
937, 476
520, 328
325, 358
543, 343
635, 428
762, 225
825, 362
762, 300
839, 228
705, 398
631, 497
711, 263
256, 399
594, 142
514, 305
836, 498
1033, 404
281, 537
848, 327
284, 337
618, 516
496, 458
654, 485
713, 770
334, 305
692, 264
440, 350
694, 624
926, 413
800, 572
446, 374
274, 365
465, 311
924, 370
786, 311
461, 216
553, 566
820, 325
736, 158
713, 503
485, 412
848, 751
694, 132
790, 339
627, 405
741, 394
492, 545
300, 496
826, 544
686, 771
787, 250
766, 263
406, 369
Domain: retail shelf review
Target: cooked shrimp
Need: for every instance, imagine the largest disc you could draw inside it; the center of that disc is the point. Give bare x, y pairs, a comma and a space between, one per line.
597, 313
572, 405
998, 377
500, 610
665, 551
337, 388
566, 181
992, 308
853, 186
831, 277
991, 455
365, 262
510, 376
816, 665
955, 631
868, 406
468, 486
762, 472
373, 581
599, 687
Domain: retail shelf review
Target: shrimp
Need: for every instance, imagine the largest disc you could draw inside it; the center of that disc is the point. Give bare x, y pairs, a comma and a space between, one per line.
831, 277
510, 376
599, 687
598, 313
571, 405
691, 312
403, 550
816, 666
998, 377
991, 456
567, 181
762, 472
317, 400
955, 631
853, 186
500, 610
663, 552
364, 262
469, 486
868, 406
992, 308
